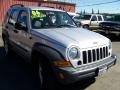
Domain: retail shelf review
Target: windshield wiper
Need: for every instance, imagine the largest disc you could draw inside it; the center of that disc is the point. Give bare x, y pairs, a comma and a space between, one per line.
65, 25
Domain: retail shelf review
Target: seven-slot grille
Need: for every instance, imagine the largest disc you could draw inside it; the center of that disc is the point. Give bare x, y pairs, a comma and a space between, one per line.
93, 55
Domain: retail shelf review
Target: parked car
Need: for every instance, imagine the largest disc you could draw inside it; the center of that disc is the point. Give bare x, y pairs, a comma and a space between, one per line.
91, 21
73, 14
58, 50
75, 17
110, 27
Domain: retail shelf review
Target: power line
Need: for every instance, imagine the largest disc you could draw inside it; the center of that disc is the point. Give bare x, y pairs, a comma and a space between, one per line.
99, 3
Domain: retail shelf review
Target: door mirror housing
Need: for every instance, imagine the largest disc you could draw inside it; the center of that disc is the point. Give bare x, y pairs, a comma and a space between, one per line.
78, 24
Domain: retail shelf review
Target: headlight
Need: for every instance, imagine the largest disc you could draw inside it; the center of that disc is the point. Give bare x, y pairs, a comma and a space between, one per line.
73, 53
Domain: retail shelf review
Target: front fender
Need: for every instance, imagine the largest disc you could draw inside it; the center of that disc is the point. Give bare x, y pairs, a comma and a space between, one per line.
49, 52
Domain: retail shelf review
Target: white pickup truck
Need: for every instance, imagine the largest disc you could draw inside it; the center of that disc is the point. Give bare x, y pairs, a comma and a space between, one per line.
91, 21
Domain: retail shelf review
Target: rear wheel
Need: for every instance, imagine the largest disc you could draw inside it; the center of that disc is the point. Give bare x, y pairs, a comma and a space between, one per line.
6, 46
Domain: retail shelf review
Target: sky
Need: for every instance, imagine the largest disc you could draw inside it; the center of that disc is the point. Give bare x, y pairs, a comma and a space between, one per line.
103, 8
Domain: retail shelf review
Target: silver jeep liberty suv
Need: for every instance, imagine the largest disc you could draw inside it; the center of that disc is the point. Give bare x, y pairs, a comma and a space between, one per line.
50, 40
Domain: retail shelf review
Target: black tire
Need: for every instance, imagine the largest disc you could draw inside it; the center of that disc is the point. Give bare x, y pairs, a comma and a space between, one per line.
86, 26
6, 46
45, 74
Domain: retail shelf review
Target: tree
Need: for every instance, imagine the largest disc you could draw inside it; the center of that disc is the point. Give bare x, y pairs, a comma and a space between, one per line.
84, 11
81, 12
92, 11
98, 11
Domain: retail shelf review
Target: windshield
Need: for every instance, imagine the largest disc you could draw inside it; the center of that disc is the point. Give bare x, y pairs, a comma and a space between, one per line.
50, 19
85, 17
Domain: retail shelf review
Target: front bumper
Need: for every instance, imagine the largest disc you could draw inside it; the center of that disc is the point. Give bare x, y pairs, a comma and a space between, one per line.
71, 75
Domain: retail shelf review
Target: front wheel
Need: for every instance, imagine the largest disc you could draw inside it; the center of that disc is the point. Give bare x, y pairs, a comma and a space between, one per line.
86, 26
41, 76
46, 76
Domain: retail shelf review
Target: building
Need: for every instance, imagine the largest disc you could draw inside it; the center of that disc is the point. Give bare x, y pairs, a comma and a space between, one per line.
5, 4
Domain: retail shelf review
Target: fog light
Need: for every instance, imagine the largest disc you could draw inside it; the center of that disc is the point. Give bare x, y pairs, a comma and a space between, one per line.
79, 63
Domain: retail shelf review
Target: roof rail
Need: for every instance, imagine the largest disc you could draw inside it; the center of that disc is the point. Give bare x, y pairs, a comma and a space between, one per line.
19, 5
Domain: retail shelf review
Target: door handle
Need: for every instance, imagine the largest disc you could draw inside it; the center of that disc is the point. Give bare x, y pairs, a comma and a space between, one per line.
16, 31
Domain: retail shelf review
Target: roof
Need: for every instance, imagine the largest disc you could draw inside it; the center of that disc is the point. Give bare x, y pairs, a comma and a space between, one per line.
73, 14
43, 8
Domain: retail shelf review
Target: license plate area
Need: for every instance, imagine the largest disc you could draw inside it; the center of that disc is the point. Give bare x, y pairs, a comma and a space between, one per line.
102, 70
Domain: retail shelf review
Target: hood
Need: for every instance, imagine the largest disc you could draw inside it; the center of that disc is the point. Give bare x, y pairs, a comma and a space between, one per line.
73, 36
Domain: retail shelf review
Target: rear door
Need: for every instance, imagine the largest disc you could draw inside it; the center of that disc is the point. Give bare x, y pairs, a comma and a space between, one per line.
10, 26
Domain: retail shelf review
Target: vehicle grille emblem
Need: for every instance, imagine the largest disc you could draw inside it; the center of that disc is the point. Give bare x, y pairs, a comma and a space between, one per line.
95, 42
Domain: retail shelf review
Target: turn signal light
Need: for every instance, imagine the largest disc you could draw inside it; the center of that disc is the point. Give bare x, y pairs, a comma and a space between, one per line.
62, 63
61, 75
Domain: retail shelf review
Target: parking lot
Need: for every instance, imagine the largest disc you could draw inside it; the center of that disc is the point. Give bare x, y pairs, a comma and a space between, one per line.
15, 74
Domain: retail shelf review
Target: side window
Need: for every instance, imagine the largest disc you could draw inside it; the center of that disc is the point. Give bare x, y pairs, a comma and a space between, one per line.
99, 18
65, 19
94, 18
22, 18
13, 17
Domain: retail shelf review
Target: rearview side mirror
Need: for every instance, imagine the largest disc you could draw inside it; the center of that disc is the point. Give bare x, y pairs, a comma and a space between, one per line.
78, 24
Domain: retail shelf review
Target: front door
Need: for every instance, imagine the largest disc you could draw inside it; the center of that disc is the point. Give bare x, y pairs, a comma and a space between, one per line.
11, 26
24, 41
